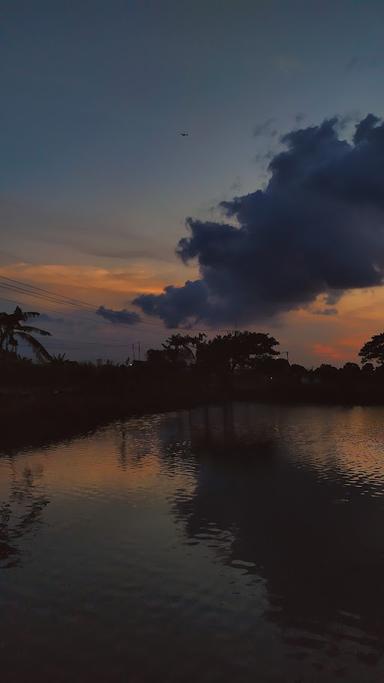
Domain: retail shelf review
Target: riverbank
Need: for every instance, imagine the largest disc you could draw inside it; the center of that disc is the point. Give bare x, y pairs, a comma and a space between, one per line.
41, 415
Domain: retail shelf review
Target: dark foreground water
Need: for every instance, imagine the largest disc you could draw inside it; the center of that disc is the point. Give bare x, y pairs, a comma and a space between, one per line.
236, 544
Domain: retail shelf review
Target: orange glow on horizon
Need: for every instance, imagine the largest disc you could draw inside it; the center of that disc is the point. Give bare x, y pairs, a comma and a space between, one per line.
328, 351
112, 286
310, 336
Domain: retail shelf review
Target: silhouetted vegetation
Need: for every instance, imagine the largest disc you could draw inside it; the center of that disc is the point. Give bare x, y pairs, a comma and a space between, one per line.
373, 349
13, 328
57, 397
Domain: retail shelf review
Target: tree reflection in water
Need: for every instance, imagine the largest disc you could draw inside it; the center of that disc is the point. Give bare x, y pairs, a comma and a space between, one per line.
313, 540
21, 514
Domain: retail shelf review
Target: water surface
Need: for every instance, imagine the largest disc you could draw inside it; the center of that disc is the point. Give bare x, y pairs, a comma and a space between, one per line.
238, 543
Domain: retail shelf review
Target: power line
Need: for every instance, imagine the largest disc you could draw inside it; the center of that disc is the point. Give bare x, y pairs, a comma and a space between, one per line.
35, 292
46, 291
38, 295
45, 295
56, 300
60, 313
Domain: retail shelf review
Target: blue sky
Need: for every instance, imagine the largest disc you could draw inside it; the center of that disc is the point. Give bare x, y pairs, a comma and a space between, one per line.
95, 177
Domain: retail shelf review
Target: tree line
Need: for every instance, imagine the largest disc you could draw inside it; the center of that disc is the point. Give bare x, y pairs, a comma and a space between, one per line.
228, 353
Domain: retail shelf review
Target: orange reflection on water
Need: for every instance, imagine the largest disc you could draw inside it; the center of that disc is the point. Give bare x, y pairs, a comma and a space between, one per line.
118, 459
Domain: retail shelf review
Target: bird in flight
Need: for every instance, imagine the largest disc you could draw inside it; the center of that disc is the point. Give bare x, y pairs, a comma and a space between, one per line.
184, 135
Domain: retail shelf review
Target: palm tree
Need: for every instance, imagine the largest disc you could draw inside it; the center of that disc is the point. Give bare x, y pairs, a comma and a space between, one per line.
12, 329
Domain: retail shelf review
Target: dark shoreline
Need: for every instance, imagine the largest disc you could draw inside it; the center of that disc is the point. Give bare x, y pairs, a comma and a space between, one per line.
38, 417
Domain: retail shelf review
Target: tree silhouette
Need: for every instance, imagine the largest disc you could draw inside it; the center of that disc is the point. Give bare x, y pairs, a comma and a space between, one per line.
223, 353
183, 347
13, 328
237, 350
178, 350
373, 350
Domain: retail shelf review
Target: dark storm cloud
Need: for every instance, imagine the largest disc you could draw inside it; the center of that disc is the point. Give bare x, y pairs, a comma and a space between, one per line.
122, 317
191, 299
317, 228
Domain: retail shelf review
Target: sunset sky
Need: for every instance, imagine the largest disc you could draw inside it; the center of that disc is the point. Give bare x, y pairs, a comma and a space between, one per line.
97, 182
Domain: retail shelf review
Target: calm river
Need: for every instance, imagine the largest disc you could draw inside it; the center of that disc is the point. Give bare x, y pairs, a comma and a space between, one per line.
241, 544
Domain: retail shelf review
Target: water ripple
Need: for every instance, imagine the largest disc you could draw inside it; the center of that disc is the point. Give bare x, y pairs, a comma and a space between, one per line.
228, 543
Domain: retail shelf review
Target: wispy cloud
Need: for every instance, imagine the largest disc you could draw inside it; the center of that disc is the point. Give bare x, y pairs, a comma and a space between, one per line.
265, 129
325, 311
